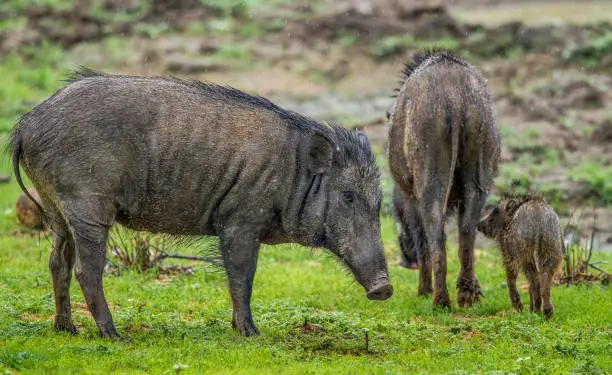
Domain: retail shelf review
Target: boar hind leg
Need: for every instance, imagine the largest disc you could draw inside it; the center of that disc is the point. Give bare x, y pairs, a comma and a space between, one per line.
60, 264
90, 232
546, 279
433, 222
511, 275
535, 303
469, 213
240, 251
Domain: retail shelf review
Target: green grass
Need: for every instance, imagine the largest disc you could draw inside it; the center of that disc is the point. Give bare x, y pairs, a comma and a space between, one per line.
183, 325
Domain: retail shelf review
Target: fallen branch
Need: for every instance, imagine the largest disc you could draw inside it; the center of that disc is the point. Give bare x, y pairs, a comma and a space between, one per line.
4, 179
597, 268
165, 255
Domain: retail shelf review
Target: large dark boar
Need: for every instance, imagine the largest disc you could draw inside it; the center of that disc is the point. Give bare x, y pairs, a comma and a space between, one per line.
531, 239
444, 150
191, 158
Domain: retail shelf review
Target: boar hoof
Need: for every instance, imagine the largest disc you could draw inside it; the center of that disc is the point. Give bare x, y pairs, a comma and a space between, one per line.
425, 291
442, 300
469, 292
548, 312
246, 328
410, 265
518, 306
66, 326
109, 330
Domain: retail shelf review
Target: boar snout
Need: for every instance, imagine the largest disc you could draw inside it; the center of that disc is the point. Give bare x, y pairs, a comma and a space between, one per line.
380, 291
372, 274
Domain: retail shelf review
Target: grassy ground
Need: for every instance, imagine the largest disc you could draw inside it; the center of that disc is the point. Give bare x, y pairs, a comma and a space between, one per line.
182, 324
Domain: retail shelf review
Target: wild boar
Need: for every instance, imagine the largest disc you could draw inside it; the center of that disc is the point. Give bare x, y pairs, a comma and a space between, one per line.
531, 239
191, 158
444, 149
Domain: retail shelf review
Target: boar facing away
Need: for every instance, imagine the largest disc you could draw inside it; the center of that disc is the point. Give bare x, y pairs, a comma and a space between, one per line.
531, 239
444, 149
191, 158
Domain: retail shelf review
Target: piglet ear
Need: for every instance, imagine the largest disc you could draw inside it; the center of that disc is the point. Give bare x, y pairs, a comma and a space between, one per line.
321, 154
511, 207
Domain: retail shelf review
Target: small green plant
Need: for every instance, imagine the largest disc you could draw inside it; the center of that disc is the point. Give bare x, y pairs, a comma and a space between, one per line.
141, 251
346, 38
532, 133
134, 250
20, 5
517, 176
578, 259
394, 44
232, 51
231, 8
598, 178
152, 31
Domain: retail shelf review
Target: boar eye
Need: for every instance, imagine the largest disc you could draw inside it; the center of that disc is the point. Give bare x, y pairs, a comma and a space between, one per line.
348, 197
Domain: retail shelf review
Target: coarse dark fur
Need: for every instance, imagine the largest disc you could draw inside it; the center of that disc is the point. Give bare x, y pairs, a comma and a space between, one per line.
190, 158
444, 148
531, 239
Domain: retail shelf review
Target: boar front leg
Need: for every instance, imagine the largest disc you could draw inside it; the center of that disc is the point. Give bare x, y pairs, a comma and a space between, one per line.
546, 280
240, 251
535, 304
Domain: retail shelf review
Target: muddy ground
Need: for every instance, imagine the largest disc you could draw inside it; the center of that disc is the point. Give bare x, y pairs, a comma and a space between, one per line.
548, 63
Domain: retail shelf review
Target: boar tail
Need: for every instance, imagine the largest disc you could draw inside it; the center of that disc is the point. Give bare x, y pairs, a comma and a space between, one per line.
454, 129
17, 154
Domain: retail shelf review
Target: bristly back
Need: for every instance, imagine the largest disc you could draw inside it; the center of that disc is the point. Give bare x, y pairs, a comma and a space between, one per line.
220, 92
352, 145
430, 57
82, 72
522, 198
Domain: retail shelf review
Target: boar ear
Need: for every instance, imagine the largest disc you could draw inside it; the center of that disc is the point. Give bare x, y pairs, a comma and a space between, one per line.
511, 207
321, 154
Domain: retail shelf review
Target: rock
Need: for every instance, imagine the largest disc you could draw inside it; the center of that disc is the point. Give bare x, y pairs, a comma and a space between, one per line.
27, 213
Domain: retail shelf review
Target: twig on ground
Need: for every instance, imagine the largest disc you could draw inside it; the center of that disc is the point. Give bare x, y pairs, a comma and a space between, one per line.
163, 255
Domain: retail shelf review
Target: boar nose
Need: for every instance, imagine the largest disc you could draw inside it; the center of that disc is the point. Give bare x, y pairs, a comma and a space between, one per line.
380, 292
